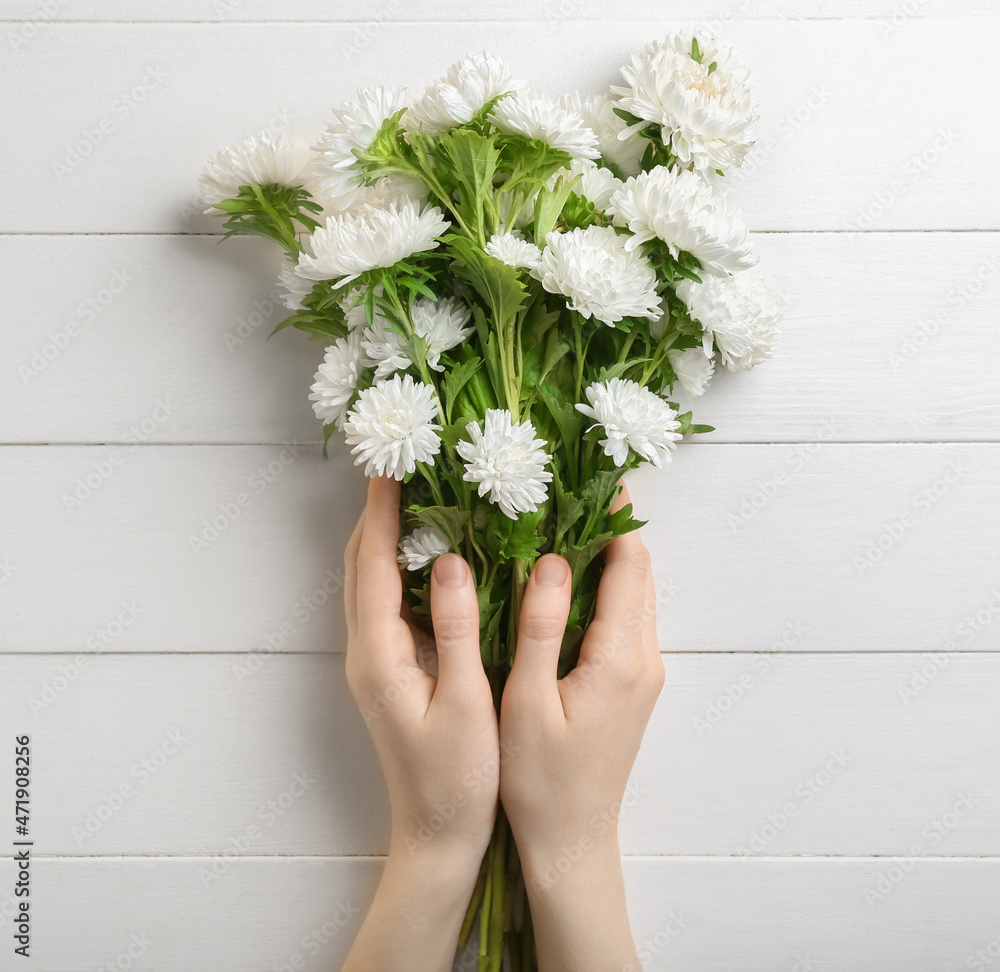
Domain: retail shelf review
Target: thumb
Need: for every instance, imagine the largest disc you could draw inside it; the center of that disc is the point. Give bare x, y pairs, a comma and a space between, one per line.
542, 624
455, 615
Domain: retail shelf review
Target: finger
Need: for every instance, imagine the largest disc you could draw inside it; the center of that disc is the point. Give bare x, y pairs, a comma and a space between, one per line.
542, 623
623, 609
379, 587
351, 577
455, 614
650, 638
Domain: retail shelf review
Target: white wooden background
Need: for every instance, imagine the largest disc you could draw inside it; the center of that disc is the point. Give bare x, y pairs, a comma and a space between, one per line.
820, 785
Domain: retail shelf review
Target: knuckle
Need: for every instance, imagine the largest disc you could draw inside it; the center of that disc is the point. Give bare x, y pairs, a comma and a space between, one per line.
543, 627
633, 672
455, 627
639, 559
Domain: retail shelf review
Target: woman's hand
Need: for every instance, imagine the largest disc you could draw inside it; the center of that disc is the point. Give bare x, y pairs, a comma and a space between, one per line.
436, 738
573, 742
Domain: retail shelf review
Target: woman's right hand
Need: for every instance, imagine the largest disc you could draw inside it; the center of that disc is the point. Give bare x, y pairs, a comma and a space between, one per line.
569, 747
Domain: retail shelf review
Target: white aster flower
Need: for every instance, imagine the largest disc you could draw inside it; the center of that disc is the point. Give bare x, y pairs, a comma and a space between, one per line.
337, 379
514, 250
507, 461
623, 148
634, 418
598, 275
392, 427
684, 211
385, 347
443, 324
354, 127
347, 244
291, 287
536, 116
704, 108
422, 547
739, 313
354, 313
596, 183
693, 367
255, 160
456, 98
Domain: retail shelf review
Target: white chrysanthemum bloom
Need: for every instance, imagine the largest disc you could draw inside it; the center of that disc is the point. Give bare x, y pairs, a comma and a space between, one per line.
683, 210
422, 547
634, 418
443, 324
507, 461
739, 313
385, 347
354, 127
392, 428
694, 368
514, 250
456, 98
337, 379
596, 183
616, 145
292, 288
347, 244
255, 160
354, 313
535, 116
598, 275
704, 108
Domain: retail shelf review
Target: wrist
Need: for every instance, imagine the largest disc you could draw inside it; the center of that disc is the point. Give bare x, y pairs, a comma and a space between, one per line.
440, 863
588, 860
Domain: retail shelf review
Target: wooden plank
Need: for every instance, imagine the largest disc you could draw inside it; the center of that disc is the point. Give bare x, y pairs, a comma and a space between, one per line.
748, 756
262, 915
358, 11
867, 547
94, 106
168, 334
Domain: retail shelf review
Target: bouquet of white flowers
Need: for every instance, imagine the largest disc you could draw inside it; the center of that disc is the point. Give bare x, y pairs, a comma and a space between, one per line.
512, 287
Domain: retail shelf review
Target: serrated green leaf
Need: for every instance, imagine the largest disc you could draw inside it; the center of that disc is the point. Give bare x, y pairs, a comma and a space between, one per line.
499, 285
447, 520
455, 379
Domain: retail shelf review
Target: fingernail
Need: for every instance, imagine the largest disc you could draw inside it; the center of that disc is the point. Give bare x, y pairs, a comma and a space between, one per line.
450, 570
551, 571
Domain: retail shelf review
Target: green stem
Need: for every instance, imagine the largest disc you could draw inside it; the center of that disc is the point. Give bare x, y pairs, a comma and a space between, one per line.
473, 909
625, 347
484, 916
666, 343
499, 896
435, 486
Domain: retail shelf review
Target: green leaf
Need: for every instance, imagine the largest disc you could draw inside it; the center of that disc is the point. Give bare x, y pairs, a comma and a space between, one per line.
566, 417
455, 432
580, 557
456, 379
569, 509
520, 537
474, 158
445, 519
328, 431
498, 284
601, 488
549, 204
